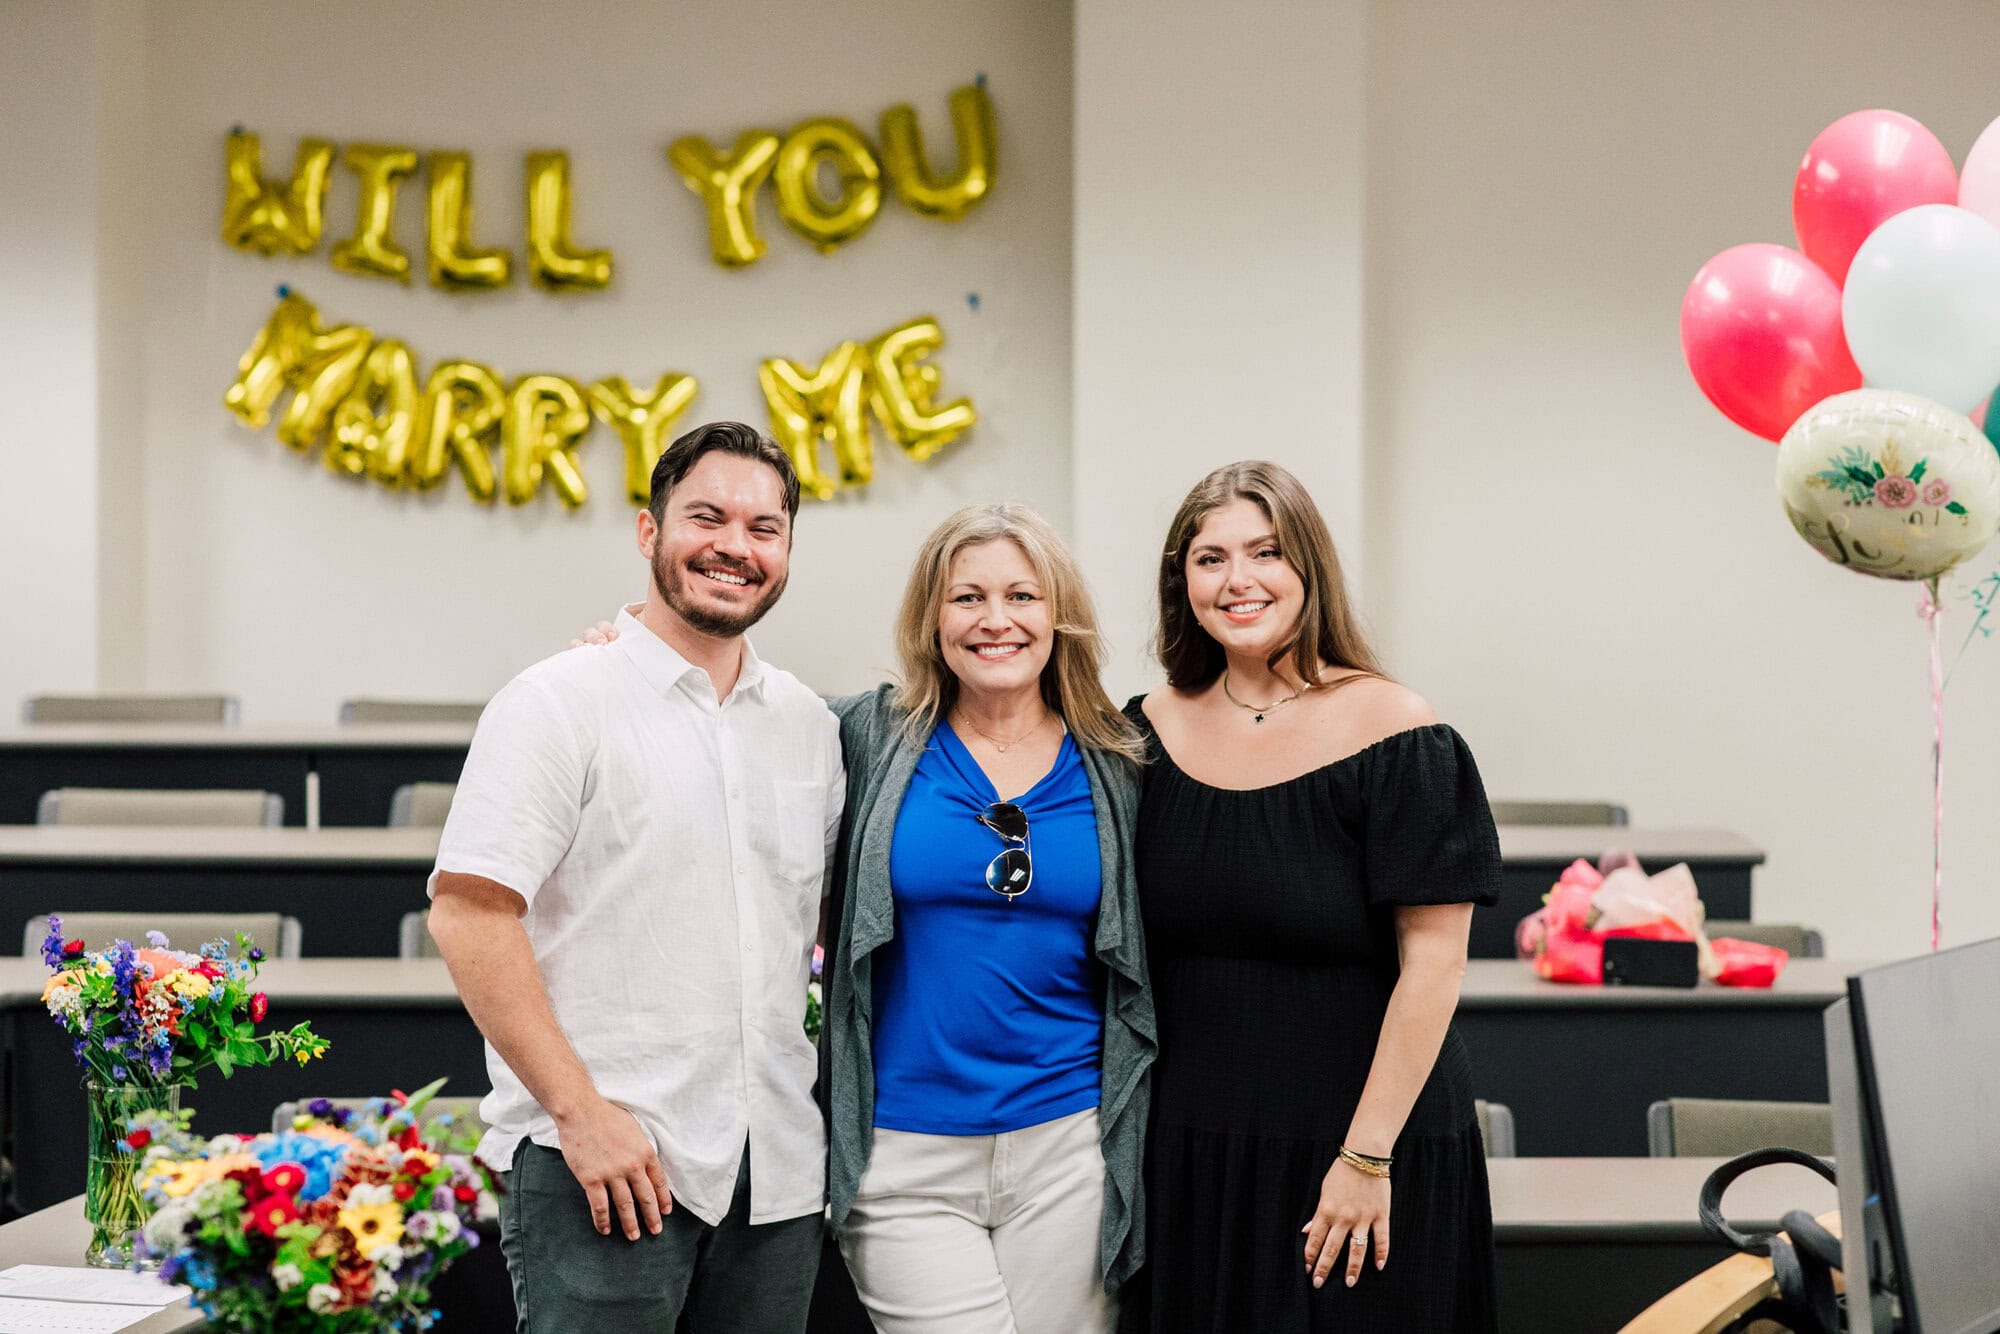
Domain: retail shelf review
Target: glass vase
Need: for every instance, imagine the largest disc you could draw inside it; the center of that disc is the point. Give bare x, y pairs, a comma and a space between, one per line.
112, 1203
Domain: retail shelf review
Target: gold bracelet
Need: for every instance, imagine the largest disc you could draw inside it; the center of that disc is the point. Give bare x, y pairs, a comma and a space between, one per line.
1366, 1164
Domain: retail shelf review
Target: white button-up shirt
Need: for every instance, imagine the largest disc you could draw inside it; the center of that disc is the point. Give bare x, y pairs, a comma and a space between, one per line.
670, 848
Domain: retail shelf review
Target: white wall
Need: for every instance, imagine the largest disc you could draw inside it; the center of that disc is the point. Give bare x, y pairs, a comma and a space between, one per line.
1218, 275
268, 575
1579, 560
48, 352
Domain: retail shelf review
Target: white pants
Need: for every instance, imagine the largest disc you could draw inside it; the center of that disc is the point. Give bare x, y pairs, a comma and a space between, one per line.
982, 1234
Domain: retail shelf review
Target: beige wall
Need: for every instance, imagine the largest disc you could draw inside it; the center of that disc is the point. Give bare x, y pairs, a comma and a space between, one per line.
1578, 559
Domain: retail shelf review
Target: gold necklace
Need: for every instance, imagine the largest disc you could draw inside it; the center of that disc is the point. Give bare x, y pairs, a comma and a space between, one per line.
1258, 709
998, 744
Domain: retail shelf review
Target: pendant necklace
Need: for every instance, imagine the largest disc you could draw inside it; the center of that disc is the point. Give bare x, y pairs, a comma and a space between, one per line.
998, 744
1259, 710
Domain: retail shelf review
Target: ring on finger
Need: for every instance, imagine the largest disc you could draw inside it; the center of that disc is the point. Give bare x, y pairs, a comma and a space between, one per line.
1359, 1239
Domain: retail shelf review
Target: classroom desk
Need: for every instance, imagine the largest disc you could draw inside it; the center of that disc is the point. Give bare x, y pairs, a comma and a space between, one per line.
1532, 856
349, 888
286, 870
1577, 1065
1581, 1244
327, 775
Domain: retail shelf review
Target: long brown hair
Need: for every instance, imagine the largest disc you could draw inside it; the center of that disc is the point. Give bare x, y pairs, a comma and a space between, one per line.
1070, 684
1327, 632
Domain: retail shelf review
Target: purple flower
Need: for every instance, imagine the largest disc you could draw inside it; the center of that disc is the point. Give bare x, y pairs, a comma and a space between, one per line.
157, 939
319, 1107
118, 1072
52, 944
1896, 493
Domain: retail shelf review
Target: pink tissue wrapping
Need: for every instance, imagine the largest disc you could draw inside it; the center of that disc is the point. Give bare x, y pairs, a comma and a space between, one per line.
1564, 939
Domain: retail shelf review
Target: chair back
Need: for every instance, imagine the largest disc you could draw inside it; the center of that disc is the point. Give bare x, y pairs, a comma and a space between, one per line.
1559, 812
130, 709
410, 711
1801, 942
421, 805
1496, 1127
279, 936
211, 807
1725, 1127
413, 938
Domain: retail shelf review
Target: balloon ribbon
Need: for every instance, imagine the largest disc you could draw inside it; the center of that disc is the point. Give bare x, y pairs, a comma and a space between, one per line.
1932, 610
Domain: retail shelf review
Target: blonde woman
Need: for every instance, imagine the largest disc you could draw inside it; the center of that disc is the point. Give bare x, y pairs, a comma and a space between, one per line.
988, 1027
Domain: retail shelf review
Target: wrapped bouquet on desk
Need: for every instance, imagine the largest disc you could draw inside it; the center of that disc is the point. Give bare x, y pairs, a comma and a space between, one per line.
1616, 900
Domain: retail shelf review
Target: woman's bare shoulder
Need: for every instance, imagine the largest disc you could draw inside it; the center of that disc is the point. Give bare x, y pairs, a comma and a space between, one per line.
1374, 708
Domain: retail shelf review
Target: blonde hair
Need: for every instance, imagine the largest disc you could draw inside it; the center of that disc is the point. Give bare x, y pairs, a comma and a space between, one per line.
1327, 633
1070, 684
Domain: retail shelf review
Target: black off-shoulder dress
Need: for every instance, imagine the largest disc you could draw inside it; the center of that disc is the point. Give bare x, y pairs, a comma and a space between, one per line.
1270, 935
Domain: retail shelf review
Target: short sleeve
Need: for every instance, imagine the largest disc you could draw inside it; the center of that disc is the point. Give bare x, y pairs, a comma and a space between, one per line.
520, 794
1429, 835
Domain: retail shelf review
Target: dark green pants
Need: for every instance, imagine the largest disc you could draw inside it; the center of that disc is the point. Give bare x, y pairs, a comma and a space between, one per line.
690, 1279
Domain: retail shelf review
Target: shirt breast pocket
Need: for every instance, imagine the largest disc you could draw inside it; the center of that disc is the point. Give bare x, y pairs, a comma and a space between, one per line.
799, 819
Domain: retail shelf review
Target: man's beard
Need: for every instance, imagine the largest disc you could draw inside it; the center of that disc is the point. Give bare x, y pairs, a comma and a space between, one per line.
670, 580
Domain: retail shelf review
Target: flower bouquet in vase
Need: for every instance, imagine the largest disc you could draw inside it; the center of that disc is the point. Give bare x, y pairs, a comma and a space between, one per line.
340, 1223
146, 1020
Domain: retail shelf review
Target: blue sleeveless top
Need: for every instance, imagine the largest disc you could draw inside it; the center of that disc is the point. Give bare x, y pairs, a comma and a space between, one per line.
989, 1013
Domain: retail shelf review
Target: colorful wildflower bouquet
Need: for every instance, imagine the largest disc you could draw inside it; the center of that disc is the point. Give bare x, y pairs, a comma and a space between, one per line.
340, 1223
146, 1021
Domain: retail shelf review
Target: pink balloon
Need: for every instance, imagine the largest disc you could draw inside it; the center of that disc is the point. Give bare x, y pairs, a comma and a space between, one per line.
1861, 170
1761, 329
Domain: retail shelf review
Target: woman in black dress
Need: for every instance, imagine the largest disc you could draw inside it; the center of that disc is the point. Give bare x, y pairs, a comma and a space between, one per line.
1311, 841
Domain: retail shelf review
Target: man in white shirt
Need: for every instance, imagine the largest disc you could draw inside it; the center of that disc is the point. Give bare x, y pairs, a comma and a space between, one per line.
627, 892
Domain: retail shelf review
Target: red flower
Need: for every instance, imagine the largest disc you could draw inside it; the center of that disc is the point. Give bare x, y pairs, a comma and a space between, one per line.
273, 1212
465, 1194
404, 1192
138, 1139
252, 1182
72, 947
209, 969
260, 1005
284, 1178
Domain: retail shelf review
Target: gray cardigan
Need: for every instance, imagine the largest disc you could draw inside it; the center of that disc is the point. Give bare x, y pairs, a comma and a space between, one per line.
880, 760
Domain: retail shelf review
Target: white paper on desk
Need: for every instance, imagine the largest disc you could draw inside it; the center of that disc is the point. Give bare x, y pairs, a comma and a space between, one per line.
60, 1283
29, 1315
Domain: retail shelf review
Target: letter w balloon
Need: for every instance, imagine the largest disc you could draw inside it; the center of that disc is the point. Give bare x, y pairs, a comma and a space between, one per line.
1761, 329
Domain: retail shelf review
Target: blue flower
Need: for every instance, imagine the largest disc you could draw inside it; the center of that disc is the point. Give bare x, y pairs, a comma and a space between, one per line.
52, 944
197, 1273
118, 1072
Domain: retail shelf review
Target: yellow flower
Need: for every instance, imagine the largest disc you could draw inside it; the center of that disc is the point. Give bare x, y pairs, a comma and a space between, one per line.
373, 1225
192, 985
58, 981
182, 1178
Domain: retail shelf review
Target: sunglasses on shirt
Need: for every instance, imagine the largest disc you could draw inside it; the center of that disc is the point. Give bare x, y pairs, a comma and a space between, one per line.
1010, 873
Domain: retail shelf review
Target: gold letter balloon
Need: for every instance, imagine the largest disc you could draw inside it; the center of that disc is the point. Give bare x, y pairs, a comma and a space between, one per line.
727, 184
828, 223
270, 219
643, 421
545, 418
1890, 484
455, 262
948, 197
553, 261
372, 250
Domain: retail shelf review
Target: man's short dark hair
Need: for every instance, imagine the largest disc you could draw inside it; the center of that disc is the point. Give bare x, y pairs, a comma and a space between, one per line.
679, 458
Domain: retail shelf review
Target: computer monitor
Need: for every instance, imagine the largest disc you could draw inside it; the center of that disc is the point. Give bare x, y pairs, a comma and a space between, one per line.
1926, 1064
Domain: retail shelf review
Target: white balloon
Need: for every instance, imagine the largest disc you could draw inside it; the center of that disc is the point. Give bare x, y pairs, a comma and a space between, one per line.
1922, 305
1979, 183
1890, 484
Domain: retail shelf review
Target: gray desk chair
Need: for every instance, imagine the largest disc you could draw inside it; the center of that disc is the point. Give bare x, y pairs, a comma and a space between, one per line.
159, 806
1559, 812
1801, 942
409, 711
464, 1113
1725, 1127
130, 709
413, 938
1496, 1127
279, 935
421, 805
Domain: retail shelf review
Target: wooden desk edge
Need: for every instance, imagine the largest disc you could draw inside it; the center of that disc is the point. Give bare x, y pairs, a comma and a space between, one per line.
1724, 1292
